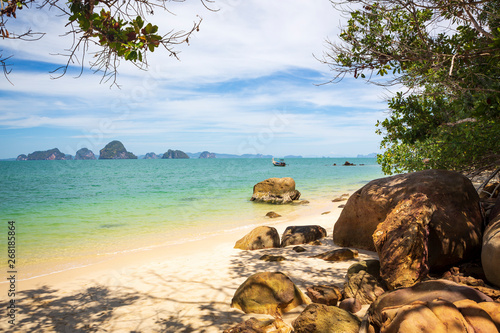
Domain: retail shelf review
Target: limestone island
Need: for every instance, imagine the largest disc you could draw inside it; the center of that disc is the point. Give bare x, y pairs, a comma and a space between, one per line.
115, 150
207, 154
174, 154
84, 154
51, 154
151, 156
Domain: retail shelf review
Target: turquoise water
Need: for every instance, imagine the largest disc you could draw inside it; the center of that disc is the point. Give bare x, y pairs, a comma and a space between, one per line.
70, 211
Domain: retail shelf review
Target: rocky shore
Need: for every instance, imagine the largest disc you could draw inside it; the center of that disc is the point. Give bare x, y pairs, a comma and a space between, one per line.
310, 278
437, 267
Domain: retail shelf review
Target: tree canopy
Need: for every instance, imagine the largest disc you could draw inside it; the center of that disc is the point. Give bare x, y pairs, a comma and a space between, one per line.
107, 29
443, 56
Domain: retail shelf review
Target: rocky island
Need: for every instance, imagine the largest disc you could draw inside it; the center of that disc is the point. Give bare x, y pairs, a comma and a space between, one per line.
115, 150
207, 154
84, 154
174, 154
151, 156
51, 154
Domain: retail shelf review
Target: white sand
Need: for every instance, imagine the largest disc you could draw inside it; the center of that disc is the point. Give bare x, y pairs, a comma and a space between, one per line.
181, 288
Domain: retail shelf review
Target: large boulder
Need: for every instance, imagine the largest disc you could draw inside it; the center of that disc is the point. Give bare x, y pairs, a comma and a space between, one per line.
401, 242
490, 256
254, 325
320, 318
337, 255
364, 282
325, 294
442, 316
495, 211
259, 238
270, 293
455, 226
304, 234
427, 291
276, 191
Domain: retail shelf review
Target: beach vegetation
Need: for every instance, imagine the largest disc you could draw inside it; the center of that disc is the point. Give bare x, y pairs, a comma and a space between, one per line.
105, 31
443, 59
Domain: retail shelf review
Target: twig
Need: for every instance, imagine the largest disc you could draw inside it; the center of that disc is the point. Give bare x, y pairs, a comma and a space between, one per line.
488, 180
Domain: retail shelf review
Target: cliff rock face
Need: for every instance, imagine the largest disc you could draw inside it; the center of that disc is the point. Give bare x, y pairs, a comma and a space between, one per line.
170, 154
151, 156
115, 151
84, 154
51, 154
22, 157
206, 154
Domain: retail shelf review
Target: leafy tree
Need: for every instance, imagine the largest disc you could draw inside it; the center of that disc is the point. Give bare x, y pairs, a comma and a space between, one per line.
119, 30
444, 57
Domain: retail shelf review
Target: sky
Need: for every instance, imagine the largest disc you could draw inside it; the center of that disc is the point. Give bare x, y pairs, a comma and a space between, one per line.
249, 82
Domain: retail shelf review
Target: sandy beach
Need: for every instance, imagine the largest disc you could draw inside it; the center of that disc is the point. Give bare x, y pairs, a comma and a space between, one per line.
180, 288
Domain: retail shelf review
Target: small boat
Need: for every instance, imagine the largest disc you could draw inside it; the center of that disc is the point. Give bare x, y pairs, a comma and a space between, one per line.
280, 162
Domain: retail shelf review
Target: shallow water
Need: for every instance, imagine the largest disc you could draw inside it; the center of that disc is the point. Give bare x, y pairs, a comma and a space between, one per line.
68, 212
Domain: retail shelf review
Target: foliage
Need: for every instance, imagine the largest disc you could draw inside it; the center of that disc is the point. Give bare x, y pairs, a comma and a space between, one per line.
119, 30
445, 56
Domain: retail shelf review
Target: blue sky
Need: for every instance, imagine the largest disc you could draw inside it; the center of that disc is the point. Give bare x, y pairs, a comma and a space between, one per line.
246, 84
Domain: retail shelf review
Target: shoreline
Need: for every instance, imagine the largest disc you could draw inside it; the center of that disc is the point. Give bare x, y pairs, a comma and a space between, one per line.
188, 285
159, 251
48, 268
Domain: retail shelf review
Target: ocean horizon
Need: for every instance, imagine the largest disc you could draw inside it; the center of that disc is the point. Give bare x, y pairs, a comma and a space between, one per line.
68, 213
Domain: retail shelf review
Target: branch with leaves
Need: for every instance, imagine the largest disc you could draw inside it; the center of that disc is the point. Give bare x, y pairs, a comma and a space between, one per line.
445, 56
117, 29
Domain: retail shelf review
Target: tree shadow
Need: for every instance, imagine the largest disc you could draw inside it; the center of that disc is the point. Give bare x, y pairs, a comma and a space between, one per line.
123, 308
44, 310
175, 299
303, 270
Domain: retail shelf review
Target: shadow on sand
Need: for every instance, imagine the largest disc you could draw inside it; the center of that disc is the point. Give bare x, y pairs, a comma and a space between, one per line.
153, 302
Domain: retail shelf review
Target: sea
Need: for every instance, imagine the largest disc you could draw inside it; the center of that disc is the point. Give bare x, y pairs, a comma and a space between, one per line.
65, 214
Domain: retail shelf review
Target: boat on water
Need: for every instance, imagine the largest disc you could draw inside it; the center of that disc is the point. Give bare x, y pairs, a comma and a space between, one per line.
280, 162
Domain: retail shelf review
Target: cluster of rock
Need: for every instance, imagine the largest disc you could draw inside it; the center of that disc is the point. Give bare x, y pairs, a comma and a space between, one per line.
276, 191
421, 225
265, 237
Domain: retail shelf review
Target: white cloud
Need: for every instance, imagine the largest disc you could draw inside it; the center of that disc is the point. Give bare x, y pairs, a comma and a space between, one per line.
251, 63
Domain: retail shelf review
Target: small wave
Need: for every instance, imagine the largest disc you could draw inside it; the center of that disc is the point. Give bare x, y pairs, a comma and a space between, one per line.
109, 226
